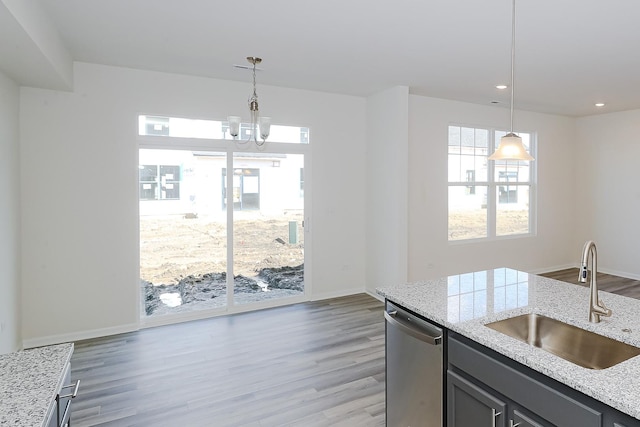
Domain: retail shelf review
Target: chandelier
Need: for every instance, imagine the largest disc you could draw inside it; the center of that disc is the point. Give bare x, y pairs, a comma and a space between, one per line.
258, 123
511, 147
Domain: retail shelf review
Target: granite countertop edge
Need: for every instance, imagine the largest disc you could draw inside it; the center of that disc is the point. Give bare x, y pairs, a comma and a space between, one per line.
617, 386
29, 382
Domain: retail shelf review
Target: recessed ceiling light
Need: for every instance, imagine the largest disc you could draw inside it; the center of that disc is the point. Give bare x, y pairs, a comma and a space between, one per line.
600, 104
501, 87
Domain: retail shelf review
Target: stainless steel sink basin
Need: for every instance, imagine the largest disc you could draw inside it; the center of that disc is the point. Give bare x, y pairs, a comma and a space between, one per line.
569, 342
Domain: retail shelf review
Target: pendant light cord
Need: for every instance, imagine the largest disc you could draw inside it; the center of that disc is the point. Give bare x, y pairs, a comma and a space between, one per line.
513, 56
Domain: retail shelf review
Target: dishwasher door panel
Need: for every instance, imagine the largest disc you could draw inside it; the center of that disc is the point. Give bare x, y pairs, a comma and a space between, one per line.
414, 370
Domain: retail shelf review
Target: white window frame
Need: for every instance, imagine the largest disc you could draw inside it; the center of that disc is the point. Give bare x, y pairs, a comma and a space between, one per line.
492, 184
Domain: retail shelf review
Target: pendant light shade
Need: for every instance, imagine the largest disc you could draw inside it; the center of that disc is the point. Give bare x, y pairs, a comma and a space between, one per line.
511, 147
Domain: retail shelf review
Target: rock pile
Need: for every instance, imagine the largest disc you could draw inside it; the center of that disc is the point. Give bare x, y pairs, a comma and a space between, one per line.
194, 289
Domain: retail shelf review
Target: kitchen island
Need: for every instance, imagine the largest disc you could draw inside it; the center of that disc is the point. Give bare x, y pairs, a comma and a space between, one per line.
29, 383
465, 303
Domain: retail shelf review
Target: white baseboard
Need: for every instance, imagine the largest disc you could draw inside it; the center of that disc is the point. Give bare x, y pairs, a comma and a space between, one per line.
165, 320
337, 294
624, 274
550, 269
78, 336
152, 322
605, 270
170, 319
375, 295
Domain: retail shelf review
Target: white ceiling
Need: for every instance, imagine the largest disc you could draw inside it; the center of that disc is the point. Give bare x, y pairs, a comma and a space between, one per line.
570, 54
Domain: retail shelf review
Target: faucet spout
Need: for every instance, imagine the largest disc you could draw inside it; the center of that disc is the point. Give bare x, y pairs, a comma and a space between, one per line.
596, 306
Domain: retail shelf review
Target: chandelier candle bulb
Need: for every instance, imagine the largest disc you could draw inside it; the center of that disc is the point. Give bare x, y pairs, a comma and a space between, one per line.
234, 125
265, 127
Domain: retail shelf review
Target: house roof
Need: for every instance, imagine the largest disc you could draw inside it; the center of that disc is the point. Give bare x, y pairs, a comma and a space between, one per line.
570, 54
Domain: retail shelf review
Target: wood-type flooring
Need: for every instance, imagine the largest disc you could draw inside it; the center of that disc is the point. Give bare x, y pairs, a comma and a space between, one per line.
311, 364
606, 282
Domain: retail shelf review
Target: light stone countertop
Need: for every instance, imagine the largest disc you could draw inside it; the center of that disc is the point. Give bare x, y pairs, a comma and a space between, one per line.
465, 303
29, 383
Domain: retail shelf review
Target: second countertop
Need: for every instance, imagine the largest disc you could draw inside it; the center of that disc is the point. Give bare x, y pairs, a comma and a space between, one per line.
29, 383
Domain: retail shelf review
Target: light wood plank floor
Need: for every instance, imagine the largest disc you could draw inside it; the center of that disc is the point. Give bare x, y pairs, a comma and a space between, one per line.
312, 364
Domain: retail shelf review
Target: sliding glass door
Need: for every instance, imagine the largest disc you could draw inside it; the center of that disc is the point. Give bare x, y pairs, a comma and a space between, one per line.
183, 232
268, 212
219, 228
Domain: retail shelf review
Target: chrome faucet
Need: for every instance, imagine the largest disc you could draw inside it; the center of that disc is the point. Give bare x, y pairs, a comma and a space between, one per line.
596, 306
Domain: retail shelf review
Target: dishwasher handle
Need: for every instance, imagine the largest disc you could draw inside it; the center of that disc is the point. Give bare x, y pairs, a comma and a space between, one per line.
435, 339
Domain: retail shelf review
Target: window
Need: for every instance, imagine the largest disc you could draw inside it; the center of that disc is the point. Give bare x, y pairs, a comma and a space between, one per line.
162, 186
214, 129
487, 198
156, 126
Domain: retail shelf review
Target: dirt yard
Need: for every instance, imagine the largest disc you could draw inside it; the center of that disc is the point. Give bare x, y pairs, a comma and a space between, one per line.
465, 225
186, 257
173, 247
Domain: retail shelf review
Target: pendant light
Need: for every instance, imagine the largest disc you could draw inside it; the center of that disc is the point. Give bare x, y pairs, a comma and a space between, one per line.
261, 123
511, 147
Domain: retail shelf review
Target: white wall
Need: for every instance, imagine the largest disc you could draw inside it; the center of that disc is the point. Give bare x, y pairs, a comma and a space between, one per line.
376, 218
430, 254
386, 187
608, 190
80, 209
38, 55
9, 217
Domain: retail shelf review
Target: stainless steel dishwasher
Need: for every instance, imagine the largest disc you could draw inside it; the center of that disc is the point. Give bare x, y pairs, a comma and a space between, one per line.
414, 370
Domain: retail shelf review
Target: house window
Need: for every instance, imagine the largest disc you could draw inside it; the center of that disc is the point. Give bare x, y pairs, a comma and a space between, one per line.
157, 126
159, 182
176, 127
471, 177
487, 199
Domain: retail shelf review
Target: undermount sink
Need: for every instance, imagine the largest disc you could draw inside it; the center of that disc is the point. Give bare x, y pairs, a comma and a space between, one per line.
569, 342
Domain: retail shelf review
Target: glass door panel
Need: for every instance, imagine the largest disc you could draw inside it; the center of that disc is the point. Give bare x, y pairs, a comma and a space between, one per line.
183, 231
268, 237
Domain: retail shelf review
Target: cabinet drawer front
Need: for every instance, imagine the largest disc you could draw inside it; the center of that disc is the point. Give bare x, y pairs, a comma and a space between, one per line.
537, 397
521, 419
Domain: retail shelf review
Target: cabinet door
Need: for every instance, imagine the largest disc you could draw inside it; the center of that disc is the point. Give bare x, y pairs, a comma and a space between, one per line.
522, 419
470, 405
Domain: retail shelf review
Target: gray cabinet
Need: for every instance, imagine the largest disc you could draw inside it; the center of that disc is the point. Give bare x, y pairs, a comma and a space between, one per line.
471, 405
61, 407
521, 418
479, 366
482, 383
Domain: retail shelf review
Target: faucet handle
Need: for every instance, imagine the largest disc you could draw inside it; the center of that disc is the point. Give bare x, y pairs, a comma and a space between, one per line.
606, 311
